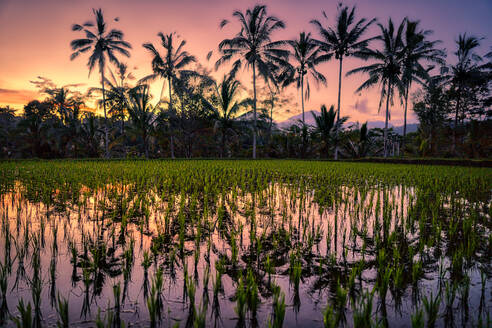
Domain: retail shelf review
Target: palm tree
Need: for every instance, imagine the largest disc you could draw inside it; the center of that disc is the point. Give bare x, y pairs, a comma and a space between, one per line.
253, 47
465, 71
89, 135
431, 105
103, 46
168, 66
344, 41
386, 69
142, 114
417, 49
225, 106
61, 99
360, 142
327, 126
118, 92
7, 137
307, 55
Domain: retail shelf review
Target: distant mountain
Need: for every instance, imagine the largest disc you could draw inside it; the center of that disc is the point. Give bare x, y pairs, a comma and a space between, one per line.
411, 127
308, 116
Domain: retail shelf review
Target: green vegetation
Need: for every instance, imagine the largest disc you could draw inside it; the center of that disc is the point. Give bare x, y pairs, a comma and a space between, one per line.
255, 243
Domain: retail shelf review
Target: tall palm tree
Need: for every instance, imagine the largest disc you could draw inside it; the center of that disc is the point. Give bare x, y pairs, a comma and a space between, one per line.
386, 69
117, 96
225, 106
465, 71
344, 40
253, 47
307, 55
142, 114
417, 49
327, 126
168, 66
103, 45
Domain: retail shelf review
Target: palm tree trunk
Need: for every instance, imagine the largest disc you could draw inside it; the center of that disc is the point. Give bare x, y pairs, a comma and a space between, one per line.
254, 111
171, 111
222, 148
386, 123
146, 146
302, 97
405, 119
106, 151
455, 130
338, 109
431, 141
122, 123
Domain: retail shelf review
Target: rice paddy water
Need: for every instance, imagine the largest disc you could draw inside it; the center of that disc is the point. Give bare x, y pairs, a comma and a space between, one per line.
244, 244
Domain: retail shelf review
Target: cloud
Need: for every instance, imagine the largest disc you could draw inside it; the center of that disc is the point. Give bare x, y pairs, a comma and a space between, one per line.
13, 96
362, 106
43, 83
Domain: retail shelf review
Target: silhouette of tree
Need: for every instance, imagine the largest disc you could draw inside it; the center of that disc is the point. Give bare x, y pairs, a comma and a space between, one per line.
417, 49
307, 55
386, 69
103, 46
462, 75
343, 40
253, 47
328, 126
168, 67
142, 114
225, 106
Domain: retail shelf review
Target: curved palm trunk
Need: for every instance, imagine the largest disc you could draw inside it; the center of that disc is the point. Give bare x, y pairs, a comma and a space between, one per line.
302, 97
254, 111
171, 141
386, 123
106, 150
338, 109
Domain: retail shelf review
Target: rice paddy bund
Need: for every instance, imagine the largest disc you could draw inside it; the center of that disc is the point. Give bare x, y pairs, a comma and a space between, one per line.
244, 244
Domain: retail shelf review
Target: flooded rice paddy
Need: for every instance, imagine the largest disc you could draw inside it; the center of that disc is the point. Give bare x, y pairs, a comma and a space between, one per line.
244, 244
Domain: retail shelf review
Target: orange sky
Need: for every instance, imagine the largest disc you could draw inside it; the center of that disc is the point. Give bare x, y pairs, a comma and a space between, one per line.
35, 36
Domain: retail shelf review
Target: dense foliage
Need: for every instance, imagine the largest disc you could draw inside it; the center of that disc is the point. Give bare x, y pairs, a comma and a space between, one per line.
201, 117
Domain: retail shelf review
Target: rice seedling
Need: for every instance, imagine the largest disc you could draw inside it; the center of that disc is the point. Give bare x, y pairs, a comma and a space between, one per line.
362, 314
418, 319
241, 299
4, 310
277, 318
431, 306
62, 309
25, 319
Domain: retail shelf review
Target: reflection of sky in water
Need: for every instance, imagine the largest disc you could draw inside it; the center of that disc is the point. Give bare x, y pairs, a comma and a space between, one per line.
280, 208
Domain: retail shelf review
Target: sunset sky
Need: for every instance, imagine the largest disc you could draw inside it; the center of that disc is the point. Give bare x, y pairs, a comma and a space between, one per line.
35, 37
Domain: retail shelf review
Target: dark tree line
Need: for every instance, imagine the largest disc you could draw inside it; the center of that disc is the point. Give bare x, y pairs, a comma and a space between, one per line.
204, 117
